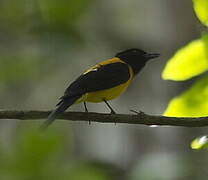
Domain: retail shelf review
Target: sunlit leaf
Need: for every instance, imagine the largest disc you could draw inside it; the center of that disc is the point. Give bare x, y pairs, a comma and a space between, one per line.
200, 143
191, 103
201, 9
188, 61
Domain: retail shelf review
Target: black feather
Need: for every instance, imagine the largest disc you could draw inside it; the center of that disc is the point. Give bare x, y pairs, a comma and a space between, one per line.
105, 77
61, 107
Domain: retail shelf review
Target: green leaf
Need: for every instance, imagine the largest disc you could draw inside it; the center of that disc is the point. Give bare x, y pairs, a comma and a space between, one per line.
188, 61
191, 103
201, 10
200, 143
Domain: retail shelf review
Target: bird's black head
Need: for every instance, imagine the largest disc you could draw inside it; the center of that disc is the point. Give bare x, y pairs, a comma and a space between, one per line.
136, 58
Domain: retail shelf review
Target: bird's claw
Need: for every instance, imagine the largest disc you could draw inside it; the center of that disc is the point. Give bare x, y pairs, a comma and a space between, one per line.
136, 112
112, 112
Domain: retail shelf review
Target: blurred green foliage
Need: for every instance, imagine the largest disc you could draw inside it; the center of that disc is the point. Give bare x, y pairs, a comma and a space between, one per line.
190, 61
16, 69
40, 155
201, 9
31, 32
33, 35
62, 13
191, 103
87, 171
44, 15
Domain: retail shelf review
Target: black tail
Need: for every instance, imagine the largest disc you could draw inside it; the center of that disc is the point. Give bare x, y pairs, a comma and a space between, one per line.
61, 107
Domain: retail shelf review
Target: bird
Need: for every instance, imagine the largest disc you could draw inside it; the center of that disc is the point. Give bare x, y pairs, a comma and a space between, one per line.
103, 82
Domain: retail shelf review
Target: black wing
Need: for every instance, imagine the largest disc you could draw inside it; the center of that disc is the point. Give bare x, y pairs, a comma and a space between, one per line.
98, 78
104, 77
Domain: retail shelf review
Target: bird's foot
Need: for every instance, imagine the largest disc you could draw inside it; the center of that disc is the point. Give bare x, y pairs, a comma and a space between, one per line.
136, 112
112, 113
85, 107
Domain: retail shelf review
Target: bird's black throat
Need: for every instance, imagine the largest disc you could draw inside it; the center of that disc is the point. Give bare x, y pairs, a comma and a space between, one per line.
136, 63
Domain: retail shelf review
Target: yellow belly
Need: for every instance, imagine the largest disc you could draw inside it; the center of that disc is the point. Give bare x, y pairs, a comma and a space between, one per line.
107, 94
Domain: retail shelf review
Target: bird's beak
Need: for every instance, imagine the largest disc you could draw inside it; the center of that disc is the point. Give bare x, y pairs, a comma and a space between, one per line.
152, 55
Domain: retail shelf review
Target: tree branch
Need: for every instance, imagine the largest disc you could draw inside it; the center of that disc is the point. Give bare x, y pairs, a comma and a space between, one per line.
140, 118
